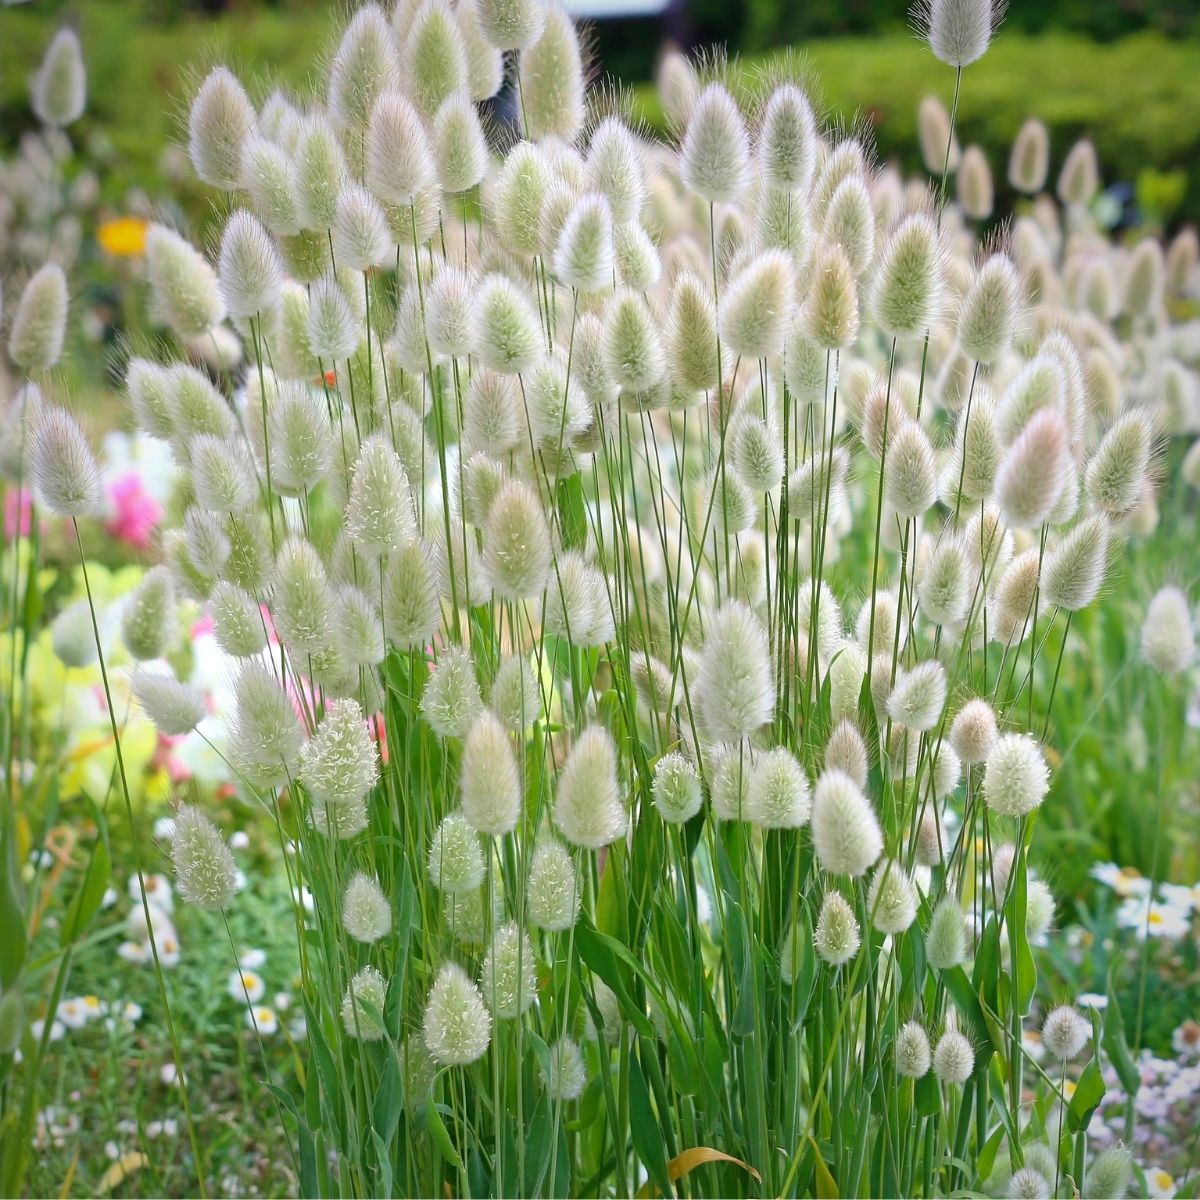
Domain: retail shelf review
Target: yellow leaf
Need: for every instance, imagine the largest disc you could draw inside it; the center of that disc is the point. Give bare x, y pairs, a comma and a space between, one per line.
125, 1166
826, 1187
689, 1160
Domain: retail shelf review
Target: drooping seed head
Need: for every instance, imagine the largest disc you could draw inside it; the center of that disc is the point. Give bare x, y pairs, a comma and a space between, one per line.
1015, 778
175, 707
64, 471
1033, 471
204, 867
589, 809
35, 340
846, 834
735, 691
714, 158
1116, 472
366, 912
220, 120
837, 936
183, 285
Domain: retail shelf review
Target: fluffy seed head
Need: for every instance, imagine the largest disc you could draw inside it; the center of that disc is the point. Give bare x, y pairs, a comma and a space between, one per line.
908, 284
1029, 161
589, 810
939, 148
485, 63
988, 315
912, 1050
490, 782
931, 837
517, 553
365, 66
974, 184
58, 91
148, 619
174, 707
265, 737
714, 159
267, 176
203, 862
837, 935
849, 222
150, 387
755, 450
249, 272
301, 598
633, 349
301, 440
319, 172
1111, 1173
35, 340
583, 257
1033, 471
219, 122
830, 317
568, 1074
435, 58
552, 80
339, 765
1116, 472
1010, 607
1015, 778
399, 162
847, 752
412, 595
1079, 179
953, 1058
945, 941
1074, 569
958, 31
72, 636
184, 286
692, 334
787, 141
552, 897
1028, 1183
360, 231
510, 24
222, 474
455, 862
451, 700
508, 978
973, 731
516, 697
366, 913
676, 789
735, 688
919, 696
459, 146
846, 834
891, 898
910, 479
237, 622
64, 471
945, 586
1065, 1032
1168, 638
508, 337
364, 1004
380, 517
615, 169
779, 796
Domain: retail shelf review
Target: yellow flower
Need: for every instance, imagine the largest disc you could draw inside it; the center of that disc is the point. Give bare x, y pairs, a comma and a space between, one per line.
123, 237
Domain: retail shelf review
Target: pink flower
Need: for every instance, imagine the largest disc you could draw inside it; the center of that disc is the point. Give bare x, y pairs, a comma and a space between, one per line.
136, 513
18, 513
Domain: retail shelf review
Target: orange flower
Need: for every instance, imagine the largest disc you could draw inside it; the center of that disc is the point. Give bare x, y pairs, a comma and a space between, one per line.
123, 237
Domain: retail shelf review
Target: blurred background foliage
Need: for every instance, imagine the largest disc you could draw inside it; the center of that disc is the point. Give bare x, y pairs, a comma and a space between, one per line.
1125, 73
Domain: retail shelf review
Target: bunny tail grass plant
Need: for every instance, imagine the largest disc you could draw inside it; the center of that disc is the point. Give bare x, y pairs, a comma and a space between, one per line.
645, 573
